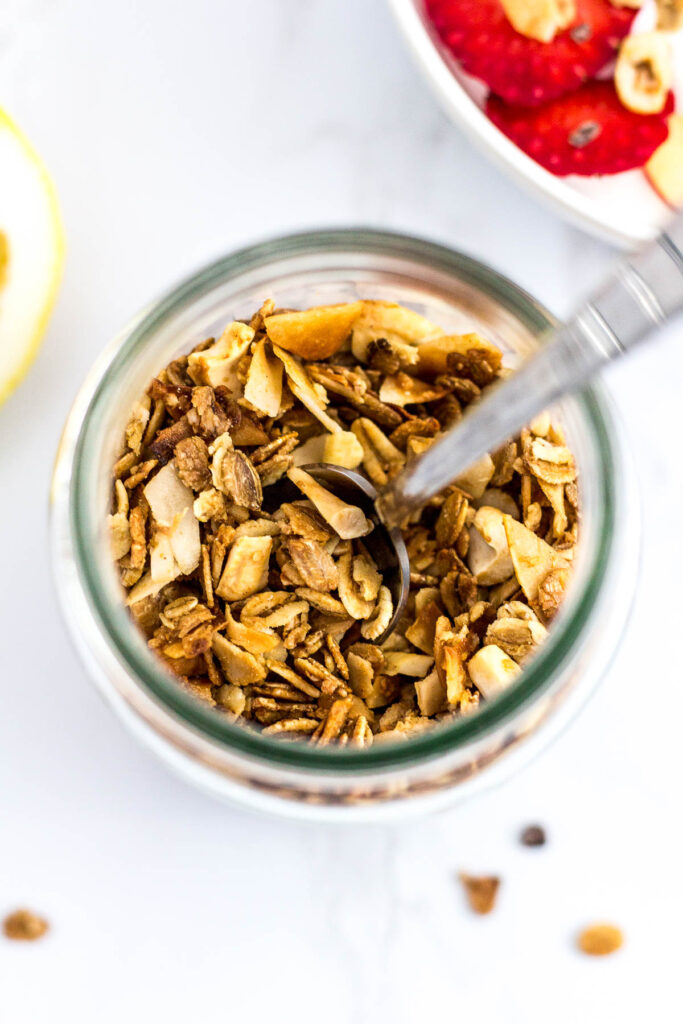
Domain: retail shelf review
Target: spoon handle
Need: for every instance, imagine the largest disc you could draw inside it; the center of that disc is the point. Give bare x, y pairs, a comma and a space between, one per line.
643, 294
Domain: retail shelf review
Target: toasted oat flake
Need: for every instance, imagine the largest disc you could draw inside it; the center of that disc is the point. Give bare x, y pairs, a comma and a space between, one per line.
270, 611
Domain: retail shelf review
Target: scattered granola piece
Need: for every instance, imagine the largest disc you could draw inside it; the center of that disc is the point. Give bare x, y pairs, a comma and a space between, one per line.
24, 926
533, 835
481, 891
600, 939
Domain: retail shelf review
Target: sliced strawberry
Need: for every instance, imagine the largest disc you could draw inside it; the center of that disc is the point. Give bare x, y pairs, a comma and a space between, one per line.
587, 132
521, 70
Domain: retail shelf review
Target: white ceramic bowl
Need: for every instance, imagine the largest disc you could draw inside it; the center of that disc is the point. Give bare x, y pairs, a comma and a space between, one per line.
623, 208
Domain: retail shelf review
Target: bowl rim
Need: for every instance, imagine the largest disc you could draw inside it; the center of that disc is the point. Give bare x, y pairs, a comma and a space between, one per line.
534, 179
113, 620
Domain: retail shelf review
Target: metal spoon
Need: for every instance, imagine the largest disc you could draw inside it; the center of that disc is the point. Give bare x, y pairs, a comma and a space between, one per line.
644, 293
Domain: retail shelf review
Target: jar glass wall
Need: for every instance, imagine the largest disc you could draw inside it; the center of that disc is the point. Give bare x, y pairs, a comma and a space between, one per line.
429, 769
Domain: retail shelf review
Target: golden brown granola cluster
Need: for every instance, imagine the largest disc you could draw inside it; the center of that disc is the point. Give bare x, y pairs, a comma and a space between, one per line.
270, 611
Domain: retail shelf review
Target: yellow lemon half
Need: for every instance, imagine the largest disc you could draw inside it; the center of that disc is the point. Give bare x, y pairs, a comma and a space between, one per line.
31, 253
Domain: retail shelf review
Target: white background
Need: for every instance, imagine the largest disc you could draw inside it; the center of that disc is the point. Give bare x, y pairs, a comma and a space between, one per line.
176, 131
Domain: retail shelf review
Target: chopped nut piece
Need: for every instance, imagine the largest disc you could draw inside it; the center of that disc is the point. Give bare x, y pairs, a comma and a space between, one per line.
481, 891
489, 556
24, 926
315, 333
342, 449
246, 570
347, 520
600, 940
492, 671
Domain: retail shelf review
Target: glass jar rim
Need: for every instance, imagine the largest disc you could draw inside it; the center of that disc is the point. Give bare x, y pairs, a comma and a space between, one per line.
114, 621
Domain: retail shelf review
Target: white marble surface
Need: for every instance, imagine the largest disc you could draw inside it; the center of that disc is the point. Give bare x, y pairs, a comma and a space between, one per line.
175, 132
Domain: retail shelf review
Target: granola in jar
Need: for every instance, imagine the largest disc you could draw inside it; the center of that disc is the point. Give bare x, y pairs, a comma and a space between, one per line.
273, 611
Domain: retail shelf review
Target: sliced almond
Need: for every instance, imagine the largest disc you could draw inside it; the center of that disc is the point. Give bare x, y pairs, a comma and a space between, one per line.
532, 558
315, 333
347, 520
263, 388
218, 364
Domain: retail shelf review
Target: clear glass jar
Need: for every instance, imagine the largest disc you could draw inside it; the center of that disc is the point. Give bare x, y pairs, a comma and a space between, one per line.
389, 779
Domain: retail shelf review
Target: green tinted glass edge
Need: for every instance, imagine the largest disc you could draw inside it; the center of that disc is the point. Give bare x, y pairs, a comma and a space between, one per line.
116, 624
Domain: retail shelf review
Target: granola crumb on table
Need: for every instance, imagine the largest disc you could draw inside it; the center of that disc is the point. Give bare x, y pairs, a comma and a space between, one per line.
24, 926
270, 615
